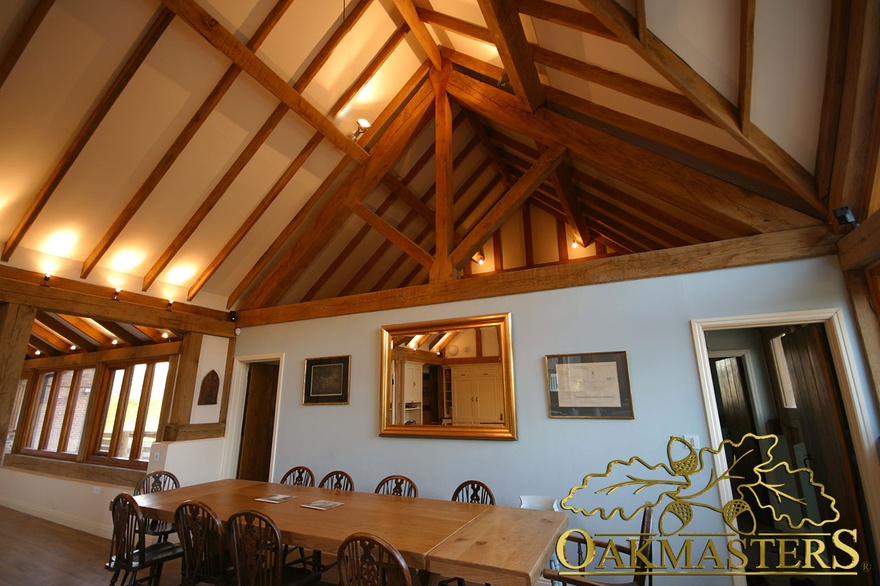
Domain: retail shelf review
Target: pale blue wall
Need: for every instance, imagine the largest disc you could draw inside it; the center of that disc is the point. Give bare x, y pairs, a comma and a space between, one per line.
649, 319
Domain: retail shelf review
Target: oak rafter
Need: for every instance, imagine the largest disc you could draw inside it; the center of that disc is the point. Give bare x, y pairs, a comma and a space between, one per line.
160, 22
223, 40
180, 143
708, 99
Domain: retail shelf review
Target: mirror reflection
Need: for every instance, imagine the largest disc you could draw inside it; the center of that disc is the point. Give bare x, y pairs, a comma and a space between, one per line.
448, 378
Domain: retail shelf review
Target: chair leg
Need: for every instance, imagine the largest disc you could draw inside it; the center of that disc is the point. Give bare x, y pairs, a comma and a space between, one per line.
155, 574
114, 578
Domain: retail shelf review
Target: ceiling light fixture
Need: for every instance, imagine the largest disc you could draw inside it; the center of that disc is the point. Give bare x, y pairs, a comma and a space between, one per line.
479, 258
362, 125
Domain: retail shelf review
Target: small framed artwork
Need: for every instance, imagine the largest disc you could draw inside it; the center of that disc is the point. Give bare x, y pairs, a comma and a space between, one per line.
326, 381
593, 385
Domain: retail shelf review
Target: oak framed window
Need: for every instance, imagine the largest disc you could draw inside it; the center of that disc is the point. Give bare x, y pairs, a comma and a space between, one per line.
130, 411
58, 412
107, 413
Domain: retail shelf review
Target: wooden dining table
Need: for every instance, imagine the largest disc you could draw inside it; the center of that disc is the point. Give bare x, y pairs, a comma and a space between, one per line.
504, 546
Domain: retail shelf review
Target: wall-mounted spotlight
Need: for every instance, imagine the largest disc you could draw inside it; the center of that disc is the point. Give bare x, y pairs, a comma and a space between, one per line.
362, 125
116, 294
170, 303
574, 243
479, 257
46, 278
233, 316
845, 216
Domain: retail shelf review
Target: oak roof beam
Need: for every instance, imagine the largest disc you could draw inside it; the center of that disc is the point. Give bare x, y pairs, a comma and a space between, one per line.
179, 144
860, 249
250, 151
632, 165
23, 37
336, 210
223, 40
160, 22
410, 14
508, 204
708, 99
503, 22
397, 237
763, 248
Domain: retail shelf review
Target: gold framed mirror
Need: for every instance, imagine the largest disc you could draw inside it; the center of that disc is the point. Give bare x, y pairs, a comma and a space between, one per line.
448, 379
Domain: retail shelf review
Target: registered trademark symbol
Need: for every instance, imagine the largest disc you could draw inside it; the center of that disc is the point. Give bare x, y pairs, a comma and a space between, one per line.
866, 566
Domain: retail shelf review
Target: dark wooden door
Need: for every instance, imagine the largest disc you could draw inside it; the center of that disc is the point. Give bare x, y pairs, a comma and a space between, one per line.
737, 419
258, 424
825, 432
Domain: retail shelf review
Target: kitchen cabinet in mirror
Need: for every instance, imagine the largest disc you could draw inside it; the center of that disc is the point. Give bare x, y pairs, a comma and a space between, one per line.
448, 379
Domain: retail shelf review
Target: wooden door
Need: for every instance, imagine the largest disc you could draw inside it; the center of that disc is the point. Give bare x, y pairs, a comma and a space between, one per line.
258, 425
736, 414
825, 432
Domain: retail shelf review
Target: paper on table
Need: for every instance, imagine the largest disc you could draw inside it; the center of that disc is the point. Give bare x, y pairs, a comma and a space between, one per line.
275, 498
321, 505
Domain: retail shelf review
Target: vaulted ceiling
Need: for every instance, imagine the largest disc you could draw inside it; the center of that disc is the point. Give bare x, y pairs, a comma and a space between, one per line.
202, 151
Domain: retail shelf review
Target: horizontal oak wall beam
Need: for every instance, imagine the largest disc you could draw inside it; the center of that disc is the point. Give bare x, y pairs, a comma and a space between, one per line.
751, 250
81, 303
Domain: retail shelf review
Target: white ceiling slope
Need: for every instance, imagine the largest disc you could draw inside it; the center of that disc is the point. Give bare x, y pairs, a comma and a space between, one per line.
195, 230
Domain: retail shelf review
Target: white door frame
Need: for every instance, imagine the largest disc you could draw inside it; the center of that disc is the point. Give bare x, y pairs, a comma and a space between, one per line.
235, 411
852, 395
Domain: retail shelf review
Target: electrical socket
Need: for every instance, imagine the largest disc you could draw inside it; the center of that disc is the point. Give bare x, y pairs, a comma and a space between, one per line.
157, 456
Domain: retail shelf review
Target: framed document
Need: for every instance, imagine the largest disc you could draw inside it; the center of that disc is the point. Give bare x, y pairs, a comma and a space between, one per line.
326, 381
594, 385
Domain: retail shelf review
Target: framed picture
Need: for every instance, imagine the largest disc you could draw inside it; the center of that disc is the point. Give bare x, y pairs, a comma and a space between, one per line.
594, 385
326, 381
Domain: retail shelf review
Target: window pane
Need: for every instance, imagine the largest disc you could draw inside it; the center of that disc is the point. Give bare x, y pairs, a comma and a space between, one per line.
131, 410
157, 393
57, 421
78, 417
115, 390
43, 390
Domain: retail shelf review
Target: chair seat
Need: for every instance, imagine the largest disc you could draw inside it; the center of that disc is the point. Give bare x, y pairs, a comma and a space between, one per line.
157, 553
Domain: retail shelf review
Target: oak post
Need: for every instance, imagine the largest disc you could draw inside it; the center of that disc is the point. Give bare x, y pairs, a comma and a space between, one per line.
15, 329
185, 381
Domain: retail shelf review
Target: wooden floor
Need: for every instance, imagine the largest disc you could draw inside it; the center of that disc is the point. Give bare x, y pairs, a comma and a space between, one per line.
35, 551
